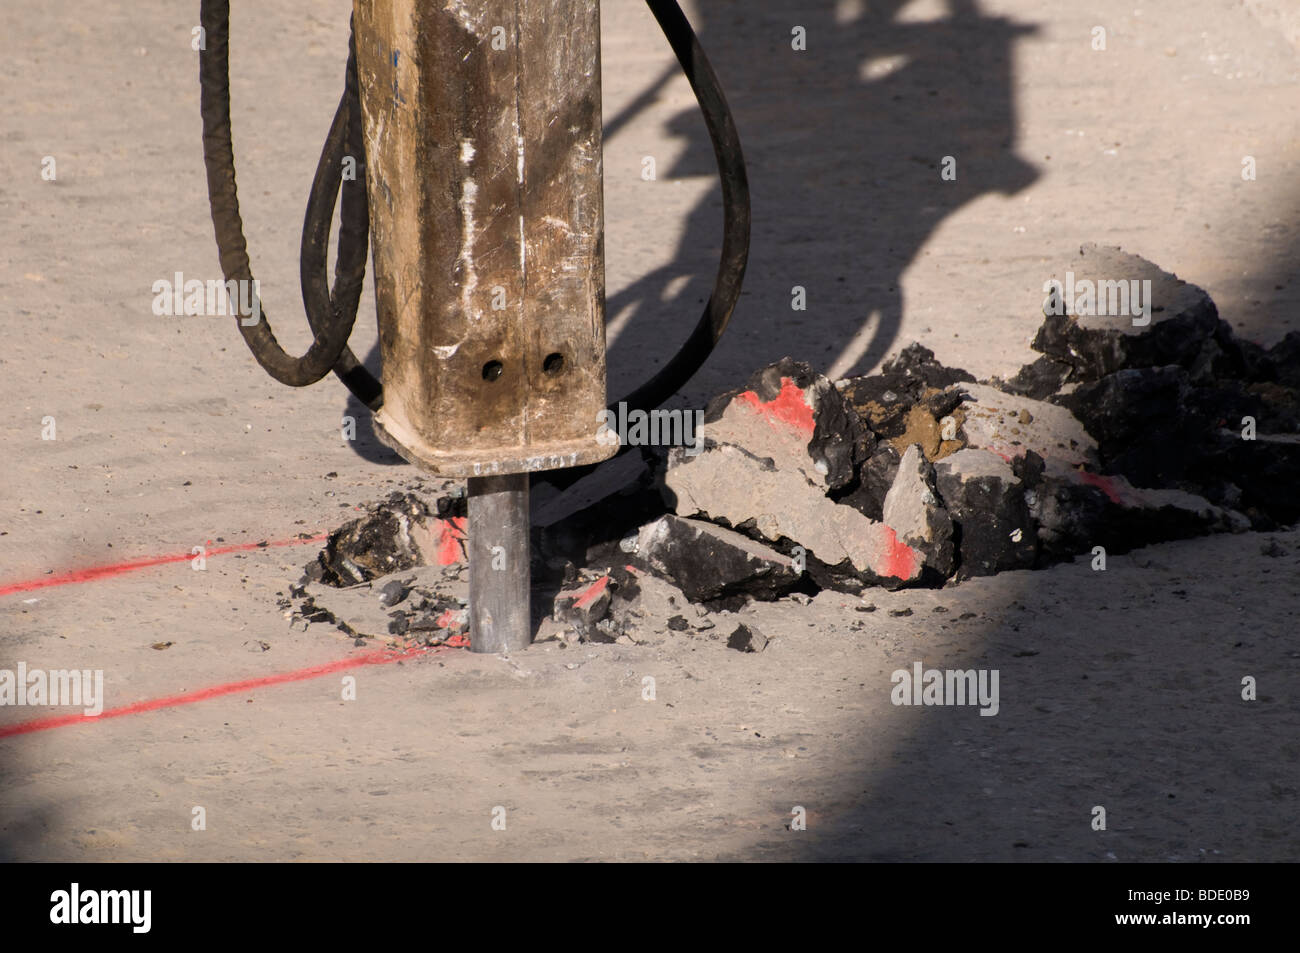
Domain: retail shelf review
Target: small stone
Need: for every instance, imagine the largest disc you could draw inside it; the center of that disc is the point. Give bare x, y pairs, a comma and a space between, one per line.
393, 593
584, 608
746, 638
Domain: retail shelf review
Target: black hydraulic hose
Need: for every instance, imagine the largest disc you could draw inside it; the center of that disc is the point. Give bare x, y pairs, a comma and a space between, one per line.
324, 307
735, 211
218, 158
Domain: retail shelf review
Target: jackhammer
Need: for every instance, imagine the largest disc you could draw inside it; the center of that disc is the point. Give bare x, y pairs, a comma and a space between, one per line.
468, 144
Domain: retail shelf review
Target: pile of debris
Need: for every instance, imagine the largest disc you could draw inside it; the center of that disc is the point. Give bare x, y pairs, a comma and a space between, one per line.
396, 535
404, 611
1132, 428
625, 604
396, 572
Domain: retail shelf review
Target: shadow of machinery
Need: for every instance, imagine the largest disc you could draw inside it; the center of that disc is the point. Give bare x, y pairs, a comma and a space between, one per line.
1137, 709
844, 143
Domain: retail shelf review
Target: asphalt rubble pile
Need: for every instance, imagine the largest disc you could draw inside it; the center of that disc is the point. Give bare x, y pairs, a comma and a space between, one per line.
1123, 433
397, 572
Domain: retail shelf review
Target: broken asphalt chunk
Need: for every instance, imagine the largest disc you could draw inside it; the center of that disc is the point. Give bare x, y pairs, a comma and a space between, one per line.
709, 562
747, 638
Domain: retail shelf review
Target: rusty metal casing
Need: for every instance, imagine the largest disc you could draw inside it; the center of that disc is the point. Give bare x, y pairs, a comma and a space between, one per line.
482, 127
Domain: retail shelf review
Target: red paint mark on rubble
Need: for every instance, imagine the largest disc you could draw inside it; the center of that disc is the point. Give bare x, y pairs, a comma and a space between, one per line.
117, 569
451, 536
592, 593
383, 657
901, 560
788, 407
451, 619
1104, 483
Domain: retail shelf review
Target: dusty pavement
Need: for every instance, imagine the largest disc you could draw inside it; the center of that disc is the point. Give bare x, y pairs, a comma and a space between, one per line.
1119, 689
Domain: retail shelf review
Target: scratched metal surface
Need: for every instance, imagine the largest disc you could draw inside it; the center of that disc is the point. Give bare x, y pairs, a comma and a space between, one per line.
483, 137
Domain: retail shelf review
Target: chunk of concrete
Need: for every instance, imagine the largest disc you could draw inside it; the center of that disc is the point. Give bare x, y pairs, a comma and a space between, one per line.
1145, 422
1010, 426
986, 502
710, 562
1107, 320
736, 486
1039, 380
747, 638
913, 511
584, 607
1078, 510
646, 615
795, 417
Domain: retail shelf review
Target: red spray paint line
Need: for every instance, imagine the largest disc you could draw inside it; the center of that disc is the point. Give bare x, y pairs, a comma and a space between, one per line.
117, 569
592, 593
1107, 484
383, 657
788, 407
451, 540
